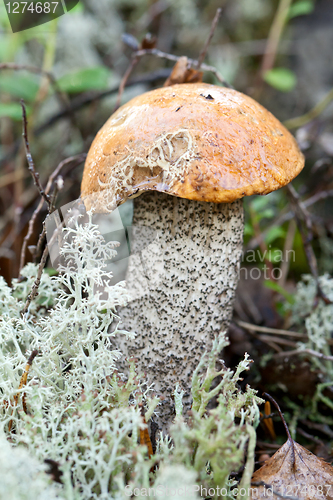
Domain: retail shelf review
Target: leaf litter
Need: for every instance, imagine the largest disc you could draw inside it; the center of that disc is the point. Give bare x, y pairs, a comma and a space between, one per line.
293, 472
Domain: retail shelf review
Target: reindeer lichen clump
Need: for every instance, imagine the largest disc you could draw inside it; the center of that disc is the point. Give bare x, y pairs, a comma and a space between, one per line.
76, 410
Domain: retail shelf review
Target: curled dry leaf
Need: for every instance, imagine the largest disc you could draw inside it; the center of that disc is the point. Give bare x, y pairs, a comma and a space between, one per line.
181, 73
293, 472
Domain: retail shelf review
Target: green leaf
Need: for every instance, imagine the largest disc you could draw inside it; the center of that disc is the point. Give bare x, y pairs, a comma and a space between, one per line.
282, 79
85, 79
12, 110
50, 271
22, 86
248, 229
277, 288
75, 10
274, 255
268, 213
260, 203
5, 47
273, 233
301, 8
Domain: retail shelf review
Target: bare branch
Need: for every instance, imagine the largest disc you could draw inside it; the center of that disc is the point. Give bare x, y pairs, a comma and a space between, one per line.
90, 97
296, 352
192, 62
34, 290
275, 331
32, 170
77, 159
133, 63
34, 69
299, 121
302, 215
291, 441
274, 36
284, 217
203, 53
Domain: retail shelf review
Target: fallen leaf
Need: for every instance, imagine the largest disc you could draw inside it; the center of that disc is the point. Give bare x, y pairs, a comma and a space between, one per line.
181, 73
293, 472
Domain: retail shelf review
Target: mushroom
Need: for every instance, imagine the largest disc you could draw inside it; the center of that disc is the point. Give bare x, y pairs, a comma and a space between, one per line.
208, 147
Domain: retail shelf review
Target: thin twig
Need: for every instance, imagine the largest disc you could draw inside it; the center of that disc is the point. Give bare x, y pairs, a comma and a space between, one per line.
299, 121
86, 99
322, 195
302, 215
12, 177
133, 63
34, 290
265, 445
267, 339
309, 436
272, 400
265, 417
23, 382
296, 352
263, 246
34, 69
274, 331
35, 286
324, 428
275, 35
32, 170
77, 159
301, 209
290, 439
203, 52
192, 62
138, 54
287, 247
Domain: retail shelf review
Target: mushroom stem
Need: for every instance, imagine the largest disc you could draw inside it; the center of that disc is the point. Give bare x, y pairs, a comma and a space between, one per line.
183, 275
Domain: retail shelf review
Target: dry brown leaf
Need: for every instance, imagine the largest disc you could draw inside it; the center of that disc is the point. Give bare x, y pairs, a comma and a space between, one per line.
293, 471
182, 74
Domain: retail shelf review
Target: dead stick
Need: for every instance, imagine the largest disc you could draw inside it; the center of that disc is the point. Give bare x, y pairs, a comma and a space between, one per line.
32, 170
124, 79
34, 69
35, 286
311, 352
302, 214
23, 382
290, 439
274, 331
321, 195
203, 52
192, 62
77, 159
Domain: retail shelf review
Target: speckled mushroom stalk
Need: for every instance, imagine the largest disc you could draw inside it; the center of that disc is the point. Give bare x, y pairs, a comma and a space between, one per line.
208, 147
190, 274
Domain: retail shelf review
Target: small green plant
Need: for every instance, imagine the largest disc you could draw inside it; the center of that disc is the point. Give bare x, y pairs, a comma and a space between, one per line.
75, 409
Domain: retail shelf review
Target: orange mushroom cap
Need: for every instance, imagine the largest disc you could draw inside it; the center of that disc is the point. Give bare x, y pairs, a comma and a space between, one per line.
196, 141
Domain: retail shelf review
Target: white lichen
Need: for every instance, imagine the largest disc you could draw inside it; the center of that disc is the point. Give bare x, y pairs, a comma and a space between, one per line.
23, 477
77, 410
